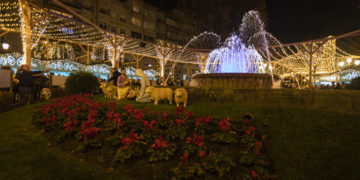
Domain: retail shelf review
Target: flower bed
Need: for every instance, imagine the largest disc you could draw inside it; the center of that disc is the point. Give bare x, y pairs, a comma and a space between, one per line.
151, 142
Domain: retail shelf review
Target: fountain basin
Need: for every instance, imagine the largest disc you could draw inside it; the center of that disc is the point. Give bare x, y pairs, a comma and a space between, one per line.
233, 80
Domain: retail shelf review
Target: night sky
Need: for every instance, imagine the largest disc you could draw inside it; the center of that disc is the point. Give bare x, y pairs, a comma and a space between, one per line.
292, 21
301, 20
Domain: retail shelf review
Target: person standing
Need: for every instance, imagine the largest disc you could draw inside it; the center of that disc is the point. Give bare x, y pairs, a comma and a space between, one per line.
26, 82
114, 76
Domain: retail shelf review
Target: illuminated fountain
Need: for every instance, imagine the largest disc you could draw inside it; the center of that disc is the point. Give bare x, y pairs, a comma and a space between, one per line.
237, 63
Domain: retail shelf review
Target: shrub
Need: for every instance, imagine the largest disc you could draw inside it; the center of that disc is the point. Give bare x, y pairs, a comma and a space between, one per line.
355, 83
81, 82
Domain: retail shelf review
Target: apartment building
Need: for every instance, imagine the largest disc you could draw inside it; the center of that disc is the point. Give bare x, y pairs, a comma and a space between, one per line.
133, 18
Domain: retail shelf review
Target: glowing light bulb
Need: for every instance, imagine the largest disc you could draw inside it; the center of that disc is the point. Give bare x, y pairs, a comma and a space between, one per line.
149, 65
349, 60
270, 67
341, 64
264, 65
5, 46
357, 62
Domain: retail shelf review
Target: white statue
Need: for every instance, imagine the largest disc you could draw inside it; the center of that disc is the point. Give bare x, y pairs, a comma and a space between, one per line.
144, 81
181, 96
158, 94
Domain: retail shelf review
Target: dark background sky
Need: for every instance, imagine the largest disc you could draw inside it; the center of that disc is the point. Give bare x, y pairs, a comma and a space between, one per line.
298, 20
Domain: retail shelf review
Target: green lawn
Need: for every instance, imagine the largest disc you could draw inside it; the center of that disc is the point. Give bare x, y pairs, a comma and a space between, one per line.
302, 144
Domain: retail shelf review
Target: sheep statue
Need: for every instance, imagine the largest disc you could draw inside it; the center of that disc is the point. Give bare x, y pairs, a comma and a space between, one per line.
45, 93
180, 96
109, 90
158, 94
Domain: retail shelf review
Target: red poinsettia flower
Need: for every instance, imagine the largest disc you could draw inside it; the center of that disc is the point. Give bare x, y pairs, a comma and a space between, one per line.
188, 114
184, 158
202, 154
126, 141
159, 143
224, 124
253, 174
112, 105
89, 132
148, 110
179, 122
128, 108
246, 122
165, 114
134, 136
67, 125
180, 109
259, 144
109, 115
149, 126
188, 140
138, 115
198, 140
118, 122
202, 121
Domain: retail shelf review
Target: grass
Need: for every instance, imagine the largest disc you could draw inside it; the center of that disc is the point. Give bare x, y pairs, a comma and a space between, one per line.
303, 144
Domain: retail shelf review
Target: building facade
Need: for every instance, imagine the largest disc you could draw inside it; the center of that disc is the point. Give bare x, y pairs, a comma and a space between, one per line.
133, 18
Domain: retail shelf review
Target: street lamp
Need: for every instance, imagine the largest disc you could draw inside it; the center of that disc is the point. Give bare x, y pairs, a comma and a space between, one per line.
5, 46
341, 64
357, 62
349, 60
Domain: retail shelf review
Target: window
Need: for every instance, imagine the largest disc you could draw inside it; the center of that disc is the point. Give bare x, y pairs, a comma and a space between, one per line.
105, 11
149, 39
136, 9
122, 31
135, 35
122, 19
149, 26
103, 25
170, 22
113, 29
136, 21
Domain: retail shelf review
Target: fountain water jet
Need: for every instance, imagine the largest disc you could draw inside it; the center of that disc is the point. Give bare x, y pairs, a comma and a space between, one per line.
238, 64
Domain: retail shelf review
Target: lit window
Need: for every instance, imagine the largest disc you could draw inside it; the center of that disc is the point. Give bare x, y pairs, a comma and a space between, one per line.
136, 9
136, 21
